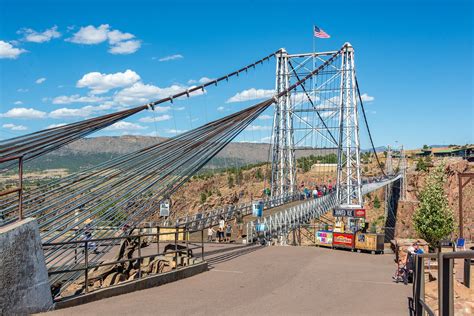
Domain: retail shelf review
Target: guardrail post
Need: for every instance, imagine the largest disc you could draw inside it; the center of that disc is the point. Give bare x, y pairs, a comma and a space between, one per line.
86, 263
139, 256
419, 289
176, 247
445, 286
158, 239
202, 244
467, 272
186, 241
20, 191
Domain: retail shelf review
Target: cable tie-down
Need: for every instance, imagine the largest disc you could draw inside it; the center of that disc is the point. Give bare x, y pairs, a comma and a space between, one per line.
150, 106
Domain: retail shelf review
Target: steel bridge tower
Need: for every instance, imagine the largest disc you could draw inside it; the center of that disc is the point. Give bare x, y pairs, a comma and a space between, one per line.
334, 85
283, 155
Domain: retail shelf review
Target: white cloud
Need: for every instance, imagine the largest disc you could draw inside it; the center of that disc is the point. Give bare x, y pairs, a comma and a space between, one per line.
251, 94
55, 125
8, 51
18, 103
125, 126
21, 90
24, 113
40, 80
175, 131
265, 117
171, 57
140, 93
203, 80
159, 118
90, 35
85, 111
31, 35
14, 127
258, 128
367, 98
125, 48
120, 43
76, 98
116, 36
266, 139
221, 109
101, 83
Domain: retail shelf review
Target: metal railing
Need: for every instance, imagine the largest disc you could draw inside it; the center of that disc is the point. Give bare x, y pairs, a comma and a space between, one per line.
84, 246
445, 281
280, 223
208, 219
18, 189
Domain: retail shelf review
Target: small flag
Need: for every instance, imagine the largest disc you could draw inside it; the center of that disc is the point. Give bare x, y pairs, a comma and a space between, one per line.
320, 33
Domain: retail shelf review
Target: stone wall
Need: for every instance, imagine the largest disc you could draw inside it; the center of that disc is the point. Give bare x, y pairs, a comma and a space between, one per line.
24, 281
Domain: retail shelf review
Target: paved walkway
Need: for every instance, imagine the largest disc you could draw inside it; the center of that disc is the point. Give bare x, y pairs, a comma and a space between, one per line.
270, 280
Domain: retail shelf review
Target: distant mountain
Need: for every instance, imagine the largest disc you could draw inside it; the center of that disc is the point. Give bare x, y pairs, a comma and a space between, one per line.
91, 151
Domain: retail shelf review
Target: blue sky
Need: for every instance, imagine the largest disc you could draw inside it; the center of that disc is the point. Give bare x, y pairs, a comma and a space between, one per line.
61, 61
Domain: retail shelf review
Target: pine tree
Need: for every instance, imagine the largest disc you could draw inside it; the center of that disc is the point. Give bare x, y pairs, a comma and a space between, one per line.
434, 220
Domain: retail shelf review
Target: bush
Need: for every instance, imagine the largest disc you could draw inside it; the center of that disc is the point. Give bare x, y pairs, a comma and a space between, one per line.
376, 202
421, 165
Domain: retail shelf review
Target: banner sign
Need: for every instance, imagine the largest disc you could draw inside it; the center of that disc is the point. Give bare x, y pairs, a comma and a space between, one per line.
348, 213
343, 239
324, 238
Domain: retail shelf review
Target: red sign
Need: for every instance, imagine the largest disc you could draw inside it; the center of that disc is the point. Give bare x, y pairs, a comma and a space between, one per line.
359, 213
343, 239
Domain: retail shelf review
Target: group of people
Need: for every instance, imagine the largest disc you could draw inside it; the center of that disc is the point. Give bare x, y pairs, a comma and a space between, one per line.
225, 229
317, 191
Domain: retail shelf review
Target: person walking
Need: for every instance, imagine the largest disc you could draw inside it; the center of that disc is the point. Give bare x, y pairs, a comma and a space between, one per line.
221, 228
228, 232
210, 233
239, 222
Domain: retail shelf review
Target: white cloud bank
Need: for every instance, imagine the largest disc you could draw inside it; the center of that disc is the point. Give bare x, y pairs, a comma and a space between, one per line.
14, 127
9, 52
30, 35
101, 83
125, 126
24, 113
120, 43
151, 119
251, 94
76, 98
40, 80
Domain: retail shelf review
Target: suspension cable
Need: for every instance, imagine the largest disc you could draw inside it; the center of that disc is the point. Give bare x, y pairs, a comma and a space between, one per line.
368, 129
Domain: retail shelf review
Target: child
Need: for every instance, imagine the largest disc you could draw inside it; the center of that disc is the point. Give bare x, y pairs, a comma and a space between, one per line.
228, 232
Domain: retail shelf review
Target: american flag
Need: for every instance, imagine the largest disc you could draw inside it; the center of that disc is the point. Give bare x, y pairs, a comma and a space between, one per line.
320, 33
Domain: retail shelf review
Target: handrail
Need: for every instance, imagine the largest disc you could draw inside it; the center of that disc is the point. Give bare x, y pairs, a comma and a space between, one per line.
87, 265
445, 280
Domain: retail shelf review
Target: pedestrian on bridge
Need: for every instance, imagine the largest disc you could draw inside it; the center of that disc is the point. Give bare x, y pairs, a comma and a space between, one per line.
210, 233
220, 232
228, 232
239, 222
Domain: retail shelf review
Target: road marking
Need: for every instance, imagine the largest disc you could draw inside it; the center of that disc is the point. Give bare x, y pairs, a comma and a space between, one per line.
228, 271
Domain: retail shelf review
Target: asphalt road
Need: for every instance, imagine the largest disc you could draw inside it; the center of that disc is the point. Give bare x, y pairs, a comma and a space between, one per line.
270, 280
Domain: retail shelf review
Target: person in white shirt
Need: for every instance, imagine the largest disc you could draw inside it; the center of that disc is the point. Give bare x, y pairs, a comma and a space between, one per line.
221, 228
210, 233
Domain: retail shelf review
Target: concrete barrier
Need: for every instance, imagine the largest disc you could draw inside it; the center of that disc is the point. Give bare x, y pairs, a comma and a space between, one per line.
136, 285
24, 284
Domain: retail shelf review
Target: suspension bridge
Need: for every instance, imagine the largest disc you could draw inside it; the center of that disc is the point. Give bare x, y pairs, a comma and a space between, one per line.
316, 106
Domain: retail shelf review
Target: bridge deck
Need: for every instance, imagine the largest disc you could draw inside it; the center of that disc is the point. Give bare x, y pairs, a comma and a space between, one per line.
270, 280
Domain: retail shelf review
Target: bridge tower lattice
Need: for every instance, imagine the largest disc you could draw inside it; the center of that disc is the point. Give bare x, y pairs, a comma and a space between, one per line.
327, 110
